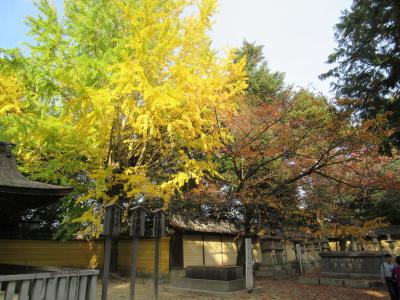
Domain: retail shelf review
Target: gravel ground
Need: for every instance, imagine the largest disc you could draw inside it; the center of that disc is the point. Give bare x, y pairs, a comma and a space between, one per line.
270, 290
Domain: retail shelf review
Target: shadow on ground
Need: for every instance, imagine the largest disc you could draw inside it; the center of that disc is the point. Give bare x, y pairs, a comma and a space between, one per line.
271, 290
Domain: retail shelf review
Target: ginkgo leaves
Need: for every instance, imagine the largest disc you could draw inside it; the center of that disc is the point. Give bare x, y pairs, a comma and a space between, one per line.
11, 93
123, 98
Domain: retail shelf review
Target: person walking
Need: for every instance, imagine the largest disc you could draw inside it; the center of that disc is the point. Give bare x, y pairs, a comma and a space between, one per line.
388, 277
396, 278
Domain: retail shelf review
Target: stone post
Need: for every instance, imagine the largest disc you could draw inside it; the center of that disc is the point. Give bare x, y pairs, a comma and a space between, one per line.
249, 264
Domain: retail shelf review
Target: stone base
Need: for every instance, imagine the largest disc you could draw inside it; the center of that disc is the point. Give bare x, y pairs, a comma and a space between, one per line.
175, 274
331, 281
275, 274
308, 280
339, 282
221, 286
264, 273
350, 275
215, 272
275, 271
307, 267
186, 291
289, 269
358, 284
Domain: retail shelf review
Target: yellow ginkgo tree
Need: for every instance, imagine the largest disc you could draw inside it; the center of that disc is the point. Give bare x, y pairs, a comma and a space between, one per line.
119, 99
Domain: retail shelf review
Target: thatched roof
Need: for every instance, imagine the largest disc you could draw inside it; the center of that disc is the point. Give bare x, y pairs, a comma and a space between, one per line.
13, 185
179, 224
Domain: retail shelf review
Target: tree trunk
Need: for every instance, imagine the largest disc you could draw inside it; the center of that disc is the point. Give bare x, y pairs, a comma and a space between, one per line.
240, 260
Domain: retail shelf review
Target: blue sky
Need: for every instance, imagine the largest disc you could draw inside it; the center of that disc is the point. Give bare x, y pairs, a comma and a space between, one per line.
298, 35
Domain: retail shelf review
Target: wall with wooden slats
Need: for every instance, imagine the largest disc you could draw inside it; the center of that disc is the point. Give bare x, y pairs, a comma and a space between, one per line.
217, 250
145, 260
229, 251
74, 254
213, 251
192, 250
81, 254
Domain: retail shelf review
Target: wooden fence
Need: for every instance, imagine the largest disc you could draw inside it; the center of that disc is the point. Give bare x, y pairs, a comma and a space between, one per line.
50, 284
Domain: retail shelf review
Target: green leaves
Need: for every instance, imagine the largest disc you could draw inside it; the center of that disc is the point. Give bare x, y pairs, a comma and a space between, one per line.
262, 82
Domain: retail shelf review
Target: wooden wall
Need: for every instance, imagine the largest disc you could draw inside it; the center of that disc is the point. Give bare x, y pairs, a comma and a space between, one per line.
81, 254
192, 250
212, 250
145, 260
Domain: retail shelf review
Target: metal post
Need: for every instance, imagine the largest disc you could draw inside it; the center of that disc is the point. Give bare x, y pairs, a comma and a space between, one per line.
112, 223
137, 229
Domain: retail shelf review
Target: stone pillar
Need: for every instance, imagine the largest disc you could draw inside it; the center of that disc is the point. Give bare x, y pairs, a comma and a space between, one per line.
268, 256
313, 252
325, 246
310, 248
318, 248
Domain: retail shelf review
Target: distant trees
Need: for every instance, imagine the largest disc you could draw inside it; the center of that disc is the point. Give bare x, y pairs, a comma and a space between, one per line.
289, 153
263, 84
366, 62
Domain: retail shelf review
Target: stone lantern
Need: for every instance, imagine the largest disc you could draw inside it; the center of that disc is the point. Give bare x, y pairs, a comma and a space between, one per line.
375, 242
325, 245
391, 242
274, 262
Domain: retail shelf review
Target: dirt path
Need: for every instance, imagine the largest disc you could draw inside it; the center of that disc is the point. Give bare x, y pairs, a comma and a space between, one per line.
271, 290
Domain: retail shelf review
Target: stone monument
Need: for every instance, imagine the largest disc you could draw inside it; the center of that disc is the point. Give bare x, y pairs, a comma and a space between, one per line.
361, 265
